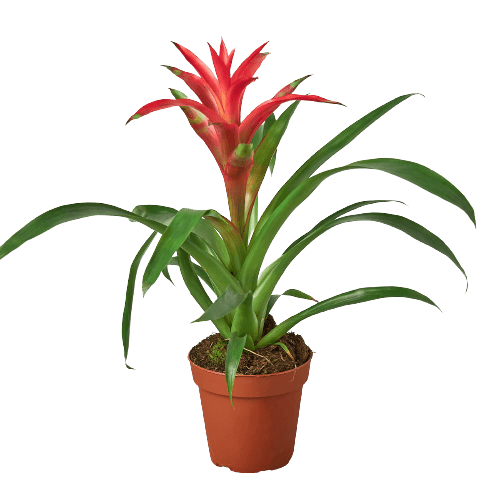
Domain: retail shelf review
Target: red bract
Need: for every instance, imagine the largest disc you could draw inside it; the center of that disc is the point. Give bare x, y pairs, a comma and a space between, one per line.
218, 115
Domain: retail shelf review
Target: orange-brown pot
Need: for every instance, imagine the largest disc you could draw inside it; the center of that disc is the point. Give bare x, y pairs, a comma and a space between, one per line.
259, 432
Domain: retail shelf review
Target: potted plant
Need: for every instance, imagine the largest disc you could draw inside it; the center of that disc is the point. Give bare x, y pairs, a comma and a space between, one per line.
251, 419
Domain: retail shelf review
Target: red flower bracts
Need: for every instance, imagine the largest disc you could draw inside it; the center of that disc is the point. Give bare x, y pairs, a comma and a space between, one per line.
217, 117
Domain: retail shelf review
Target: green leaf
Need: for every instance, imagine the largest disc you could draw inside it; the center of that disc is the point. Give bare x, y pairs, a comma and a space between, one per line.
67, 213
174, 261
204, 235
326, 223
203, 228
267, 125
167, 274
234, 351
245, 320
202, 244
164, 215
196, 289
254, 217
263, 155
204, 276
285, 348
232, 240
256, 253
272, 163
262, 131
75, 211
257, 137
129, 296
217, 272
420, 176
292, 292
420, 233
175, 235
271, 275
270, 121
397, 221
214, 268
344, 299
324, 154
225, 304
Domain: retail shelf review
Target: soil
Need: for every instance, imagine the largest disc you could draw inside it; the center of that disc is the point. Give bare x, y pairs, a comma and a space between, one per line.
210, 354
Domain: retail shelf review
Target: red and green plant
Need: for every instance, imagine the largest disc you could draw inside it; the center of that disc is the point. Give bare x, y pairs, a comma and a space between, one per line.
230, 252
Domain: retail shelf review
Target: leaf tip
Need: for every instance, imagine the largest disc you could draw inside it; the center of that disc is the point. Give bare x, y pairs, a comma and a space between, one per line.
133, 117
129, 367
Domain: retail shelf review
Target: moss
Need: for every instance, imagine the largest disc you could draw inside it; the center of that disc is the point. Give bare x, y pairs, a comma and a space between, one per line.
218, 352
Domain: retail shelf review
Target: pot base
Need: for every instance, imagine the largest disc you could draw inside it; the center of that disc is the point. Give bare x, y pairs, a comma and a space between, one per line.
247, 470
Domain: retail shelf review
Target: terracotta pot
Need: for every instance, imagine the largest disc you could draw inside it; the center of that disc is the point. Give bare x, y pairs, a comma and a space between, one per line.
259, 432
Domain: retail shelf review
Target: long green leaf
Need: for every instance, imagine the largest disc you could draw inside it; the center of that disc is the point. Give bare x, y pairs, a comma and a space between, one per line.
224, 304
217, 272
129, 296
199, 241
67, 213
176, 234
203, 228
251, 267
213, 267
233, 355
232, 241
420, 176
211, 270
324, 154
326, 223
292, 292
415, 173
262, 131
158, 213
203, 245
409, 227
397, 221
270, 303
166, 273
174, 261
254, 218
262, 158
271, 275
344, 299
196, 289
264, 128
245, 320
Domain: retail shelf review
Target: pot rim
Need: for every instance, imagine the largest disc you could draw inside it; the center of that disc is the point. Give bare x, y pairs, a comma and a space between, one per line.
222, 374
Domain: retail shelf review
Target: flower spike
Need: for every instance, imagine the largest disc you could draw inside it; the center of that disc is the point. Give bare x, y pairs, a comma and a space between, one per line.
222, 72
226, 59
169, 103
255, 119
240, 72
290, 87
216, 119
203, 70
197, 85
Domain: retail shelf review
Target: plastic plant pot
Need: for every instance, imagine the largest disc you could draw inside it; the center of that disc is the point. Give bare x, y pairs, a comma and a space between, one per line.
259, 432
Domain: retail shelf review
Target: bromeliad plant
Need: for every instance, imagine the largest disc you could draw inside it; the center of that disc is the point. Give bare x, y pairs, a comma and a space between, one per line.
230, 253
